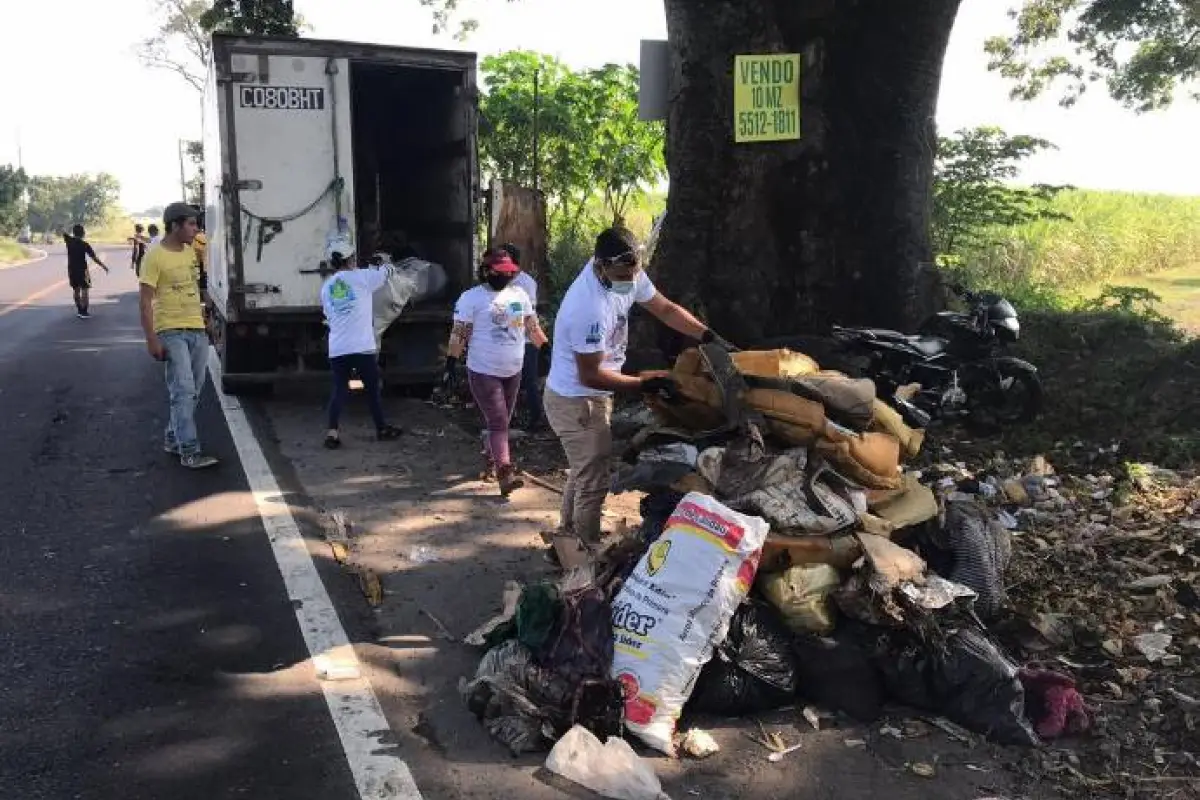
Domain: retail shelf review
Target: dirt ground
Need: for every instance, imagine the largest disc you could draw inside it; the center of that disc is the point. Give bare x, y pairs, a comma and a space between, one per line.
443, 544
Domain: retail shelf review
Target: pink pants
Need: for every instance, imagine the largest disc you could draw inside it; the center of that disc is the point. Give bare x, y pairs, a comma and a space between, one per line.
496, 399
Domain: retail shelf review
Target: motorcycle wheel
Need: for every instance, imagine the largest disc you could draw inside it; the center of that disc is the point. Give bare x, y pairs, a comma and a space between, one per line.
1017, 399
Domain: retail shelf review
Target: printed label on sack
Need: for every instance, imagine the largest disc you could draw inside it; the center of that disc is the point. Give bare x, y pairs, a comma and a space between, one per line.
677, 600
726, 532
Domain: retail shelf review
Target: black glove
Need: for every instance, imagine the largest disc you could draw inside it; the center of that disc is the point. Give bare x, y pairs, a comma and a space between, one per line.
709, 337
450, 375
665, 387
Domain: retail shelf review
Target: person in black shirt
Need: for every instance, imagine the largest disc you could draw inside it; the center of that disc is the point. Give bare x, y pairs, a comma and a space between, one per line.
139, 242
78, 253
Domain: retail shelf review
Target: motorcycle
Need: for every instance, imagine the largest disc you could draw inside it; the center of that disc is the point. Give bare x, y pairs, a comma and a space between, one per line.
956, 359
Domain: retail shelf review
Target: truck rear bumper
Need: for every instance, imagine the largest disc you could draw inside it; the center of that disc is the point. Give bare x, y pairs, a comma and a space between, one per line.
294, 350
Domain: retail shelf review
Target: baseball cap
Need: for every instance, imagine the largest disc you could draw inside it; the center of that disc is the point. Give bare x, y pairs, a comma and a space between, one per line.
501, 262
340, 246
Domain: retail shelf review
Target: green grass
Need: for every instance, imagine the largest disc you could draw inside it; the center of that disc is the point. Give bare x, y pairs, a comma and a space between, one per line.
116, 229
12, 253
1178, 291
1105, 236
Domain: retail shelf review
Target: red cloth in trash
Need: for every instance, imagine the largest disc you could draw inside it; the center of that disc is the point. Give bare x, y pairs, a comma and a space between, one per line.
1054, 704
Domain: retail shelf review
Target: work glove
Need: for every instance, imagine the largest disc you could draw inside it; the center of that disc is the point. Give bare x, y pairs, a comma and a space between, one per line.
450, 376
663, 387
709, 337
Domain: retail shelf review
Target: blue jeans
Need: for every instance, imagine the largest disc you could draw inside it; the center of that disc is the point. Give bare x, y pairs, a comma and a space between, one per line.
187, 360
529, 387
367, 367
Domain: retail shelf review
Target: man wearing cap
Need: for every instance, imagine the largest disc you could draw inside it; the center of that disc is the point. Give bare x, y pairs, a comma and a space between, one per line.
173, 321
346, 299
591, 334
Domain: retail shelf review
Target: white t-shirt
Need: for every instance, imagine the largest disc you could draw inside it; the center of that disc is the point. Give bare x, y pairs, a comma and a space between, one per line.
526, 281
346, 299
497, 345
592, 319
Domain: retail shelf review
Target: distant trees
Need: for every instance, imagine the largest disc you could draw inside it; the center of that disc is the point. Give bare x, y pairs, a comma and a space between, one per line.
13, 182
591, 144
56, 203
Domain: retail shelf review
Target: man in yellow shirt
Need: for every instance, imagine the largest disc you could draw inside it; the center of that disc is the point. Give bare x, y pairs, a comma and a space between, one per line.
173, 321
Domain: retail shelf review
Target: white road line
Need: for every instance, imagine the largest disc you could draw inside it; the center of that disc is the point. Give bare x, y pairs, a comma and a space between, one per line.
352, 703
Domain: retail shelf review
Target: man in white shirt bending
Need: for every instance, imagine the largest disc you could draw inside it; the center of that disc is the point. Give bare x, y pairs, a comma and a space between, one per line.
591, 334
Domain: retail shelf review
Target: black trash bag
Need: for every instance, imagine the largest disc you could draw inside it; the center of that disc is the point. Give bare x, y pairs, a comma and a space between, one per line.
527, 708
656, 508
836, 672
753, 670
966, 678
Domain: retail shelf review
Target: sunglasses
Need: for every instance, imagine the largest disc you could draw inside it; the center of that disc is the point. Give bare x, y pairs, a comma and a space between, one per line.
629, 259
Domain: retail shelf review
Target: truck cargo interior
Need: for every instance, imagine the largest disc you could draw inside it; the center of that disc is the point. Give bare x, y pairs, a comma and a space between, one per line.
412, 165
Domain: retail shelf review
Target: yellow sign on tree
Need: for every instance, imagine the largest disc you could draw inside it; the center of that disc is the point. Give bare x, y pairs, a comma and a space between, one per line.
766, 98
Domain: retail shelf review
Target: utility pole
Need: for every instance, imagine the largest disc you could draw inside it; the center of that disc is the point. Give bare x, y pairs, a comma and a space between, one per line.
182, 177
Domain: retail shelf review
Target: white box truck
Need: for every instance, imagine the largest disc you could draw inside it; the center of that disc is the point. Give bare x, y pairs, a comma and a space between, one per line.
304, 139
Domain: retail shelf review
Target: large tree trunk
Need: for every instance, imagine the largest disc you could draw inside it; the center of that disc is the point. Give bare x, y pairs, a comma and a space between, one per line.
780, 238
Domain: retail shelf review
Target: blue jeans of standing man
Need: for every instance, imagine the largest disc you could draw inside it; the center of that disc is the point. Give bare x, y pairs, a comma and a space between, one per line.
187, 360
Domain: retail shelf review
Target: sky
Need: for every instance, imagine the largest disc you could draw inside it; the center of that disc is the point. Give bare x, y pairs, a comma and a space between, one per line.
76, 98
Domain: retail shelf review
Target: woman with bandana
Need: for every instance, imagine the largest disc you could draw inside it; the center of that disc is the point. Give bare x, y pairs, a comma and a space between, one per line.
492, 322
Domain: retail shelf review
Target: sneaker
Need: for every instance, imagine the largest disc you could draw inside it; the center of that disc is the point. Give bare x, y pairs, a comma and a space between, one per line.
170, 448
81, 314
509, 479
388, 433
198, 461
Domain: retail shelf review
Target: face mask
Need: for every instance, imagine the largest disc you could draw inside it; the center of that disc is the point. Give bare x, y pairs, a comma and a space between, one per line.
622, 287
498, 282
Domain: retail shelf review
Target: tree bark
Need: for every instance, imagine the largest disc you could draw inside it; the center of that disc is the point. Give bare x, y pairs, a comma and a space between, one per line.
774, 239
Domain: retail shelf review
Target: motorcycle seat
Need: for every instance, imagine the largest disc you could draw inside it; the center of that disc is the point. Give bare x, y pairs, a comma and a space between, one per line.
927, 346
883, 334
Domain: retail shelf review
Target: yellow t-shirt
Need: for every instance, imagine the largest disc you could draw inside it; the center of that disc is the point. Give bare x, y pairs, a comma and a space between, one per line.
174, 277
200, 245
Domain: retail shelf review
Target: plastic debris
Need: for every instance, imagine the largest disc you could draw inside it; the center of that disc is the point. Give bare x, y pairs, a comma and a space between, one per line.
1053, 703
423, 554
753, 670
699, 744
1152, 645
801, 594
610, 769
512, 594
776, 757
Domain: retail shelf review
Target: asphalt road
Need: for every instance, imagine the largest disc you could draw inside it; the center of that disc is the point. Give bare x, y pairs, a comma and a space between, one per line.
147, 647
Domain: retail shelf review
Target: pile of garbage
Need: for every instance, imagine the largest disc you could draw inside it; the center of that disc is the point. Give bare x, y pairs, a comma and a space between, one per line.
786, 554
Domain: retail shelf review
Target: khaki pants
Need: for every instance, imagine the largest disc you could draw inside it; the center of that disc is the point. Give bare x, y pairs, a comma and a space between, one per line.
583, 426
